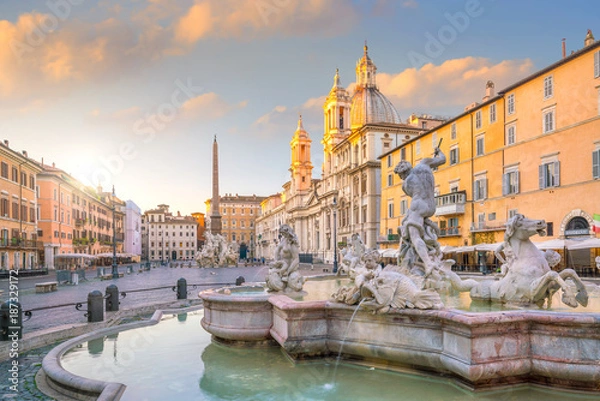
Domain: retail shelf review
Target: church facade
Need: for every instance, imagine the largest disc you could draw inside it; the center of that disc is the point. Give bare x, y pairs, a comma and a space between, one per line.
347, 198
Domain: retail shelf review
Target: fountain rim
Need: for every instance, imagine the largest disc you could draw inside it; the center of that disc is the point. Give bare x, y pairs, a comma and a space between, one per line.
65, 383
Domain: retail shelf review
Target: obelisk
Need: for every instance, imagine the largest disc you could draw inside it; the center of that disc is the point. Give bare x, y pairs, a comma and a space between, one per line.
215, 215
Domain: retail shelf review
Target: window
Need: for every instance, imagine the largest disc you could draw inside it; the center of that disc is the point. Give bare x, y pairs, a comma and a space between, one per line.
479, 188
390, 180
15, 174
480, 145
510, 104
454, 155
403, 207
389, 161
511, 134
548, 87
512, 213
418, 146
390, 209
550, 229
478, 119
403, 154
434, 140
597, 64
492, 113
510, 182
4, 170
453, 131
548, 121
596, 164
549, 174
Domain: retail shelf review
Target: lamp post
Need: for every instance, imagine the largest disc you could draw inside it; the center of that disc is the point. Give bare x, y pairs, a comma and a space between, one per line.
115, 269
335, 261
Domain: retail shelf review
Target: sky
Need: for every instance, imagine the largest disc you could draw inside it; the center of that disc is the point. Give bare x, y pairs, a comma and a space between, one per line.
132, 93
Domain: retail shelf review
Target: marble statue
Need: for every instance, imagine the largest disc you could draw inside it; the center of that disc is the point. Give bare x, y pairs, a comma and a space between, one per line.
527, 274
380, 290
419, 248
351, 256
283, 275
216, 252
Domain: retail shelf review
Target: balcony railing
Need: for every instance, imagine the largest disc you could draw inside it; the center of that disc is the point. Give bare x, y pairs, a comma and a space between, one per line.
449, 232
451, 204
18, 243
494, 225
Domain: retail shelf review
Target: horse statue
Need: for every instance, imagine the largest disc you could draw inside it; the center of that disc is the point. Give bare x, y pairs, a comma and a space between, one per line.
528, 278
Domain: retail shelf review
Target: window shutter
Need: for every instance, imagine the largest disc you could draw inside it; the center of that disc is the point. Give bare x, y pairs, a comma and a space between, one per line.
596, 164
541, 170
556, 174
475, 190
518, 187
597, 64
505, 183
484, 189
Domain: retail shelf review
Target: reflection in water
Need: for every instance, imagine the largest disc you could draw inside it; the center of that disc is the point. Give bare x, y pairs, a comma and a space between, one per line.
176, 360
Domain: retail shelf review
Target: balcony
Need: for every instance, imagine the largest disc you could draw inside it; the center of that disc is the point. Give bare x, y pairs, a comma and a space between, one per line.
18, 243
450, 232
451, 204
482, 226
79, 222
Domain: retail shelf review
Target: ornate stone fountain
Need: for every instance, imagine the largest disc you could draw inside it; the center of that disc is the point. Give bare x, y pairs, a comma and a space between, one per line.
217, 252
411, 327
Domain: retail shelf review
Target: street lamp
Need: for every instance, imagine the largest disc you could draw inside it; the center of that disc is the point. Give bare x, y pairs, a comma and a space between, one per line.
335, 261
115, 269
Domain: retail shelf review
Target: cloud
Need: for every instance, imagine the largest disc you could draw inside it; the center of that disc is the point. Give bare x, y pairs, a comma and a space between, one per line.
244, 19
209, 106
196, 24
410, 4
451, 85
46, 52
283, 119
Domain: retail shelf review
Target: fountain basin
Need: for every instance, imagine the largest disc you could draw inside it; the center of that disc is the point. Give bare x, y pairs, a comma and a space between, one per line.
480, 350
238, 315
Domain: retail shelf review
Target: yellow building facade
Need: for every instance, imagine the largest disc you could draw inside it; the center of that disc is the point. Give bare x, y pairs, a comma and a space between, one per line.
533, 148
238, 217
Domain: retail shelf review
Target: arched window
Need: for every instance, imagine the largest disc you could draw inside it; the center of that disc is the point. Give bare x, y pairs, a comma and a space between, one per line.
577, 226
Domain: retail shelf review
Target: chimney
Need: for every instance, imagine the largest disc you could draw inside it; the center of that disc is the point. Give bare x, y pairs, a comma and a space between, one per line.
42, 162
53, 165
25, 153
564, 48
489, 91
589, 38
6, 143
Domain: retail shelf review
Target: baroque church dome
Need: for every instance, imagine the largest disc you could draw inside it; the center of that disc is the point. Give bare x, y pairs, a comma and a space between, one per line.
369, 105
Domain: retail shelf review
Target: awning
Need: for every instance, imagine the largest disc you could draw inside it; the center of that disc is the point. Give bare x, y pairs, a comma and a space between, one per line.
462, 249
585, 244
388, 253
448, 249
73, 256
487, 247
551, 244
118, 254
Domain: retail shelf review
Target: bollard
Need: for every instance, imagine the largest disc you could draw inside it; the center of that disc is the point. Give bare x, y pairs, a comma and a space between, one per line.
240, 280
95, 312
181, 289
11, 321
112, 298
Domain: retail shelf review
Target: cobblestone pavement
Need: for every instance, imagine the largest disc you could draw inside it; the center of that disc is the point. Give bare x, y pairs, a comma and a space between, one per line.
161, 276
